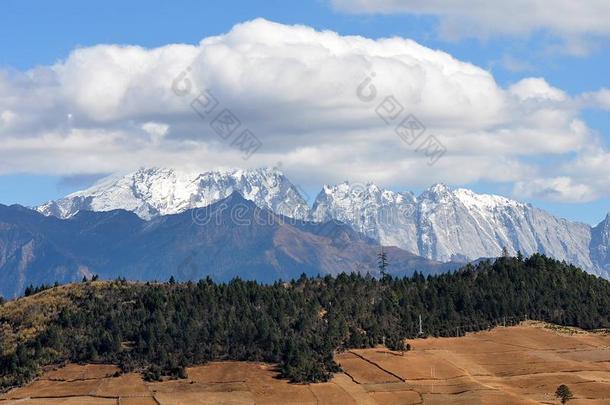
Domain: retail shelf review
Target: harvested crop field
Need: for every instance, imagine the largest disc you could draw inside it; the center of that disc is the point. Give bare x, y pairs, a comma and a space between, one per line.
515, 365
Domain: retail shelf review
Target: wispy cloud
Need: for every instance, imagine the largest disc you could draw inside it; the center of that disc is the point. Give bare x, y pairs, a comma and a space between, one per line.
581, 25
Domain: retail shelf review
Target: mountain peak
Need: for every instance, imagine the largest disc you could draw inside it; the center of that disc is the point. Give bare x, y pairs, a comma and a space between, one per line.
439, 188
442, 224
483, 201
151, 192
439, 224
236, 198
437, 192
605, 224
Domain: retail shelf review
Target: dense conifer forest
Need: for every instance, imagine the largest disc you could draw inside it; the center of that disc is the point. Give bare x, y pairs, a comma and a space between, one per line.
161, 328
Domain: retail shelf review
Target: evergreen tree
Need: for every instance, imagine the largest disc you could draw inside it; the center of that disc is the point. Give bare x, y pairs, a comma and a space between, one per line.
163, 328
564, 393
382, 261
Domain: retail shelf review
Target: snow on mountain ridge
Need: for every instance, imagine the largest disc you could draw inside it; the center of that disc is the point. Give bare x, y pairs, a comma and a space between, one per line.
444, 224
440, 224
161, 191
472, 199
383, 215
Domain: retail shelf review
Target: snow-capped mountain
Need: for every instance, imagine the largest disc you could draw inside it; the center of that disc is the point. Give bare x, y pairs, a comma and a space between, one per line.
444, 224
161, 191
382, 215
440, 224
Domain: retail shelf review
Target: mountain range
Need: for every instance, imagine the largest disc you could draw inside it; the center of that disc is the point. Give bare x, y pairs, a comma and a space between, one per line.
159, 191
232, 237
440, 224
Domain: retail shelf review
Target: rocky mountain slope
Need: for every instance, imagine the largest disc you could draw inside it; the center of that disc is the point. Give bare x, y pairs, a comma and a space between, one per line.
230, 238
600, 245
444, 224
440, 224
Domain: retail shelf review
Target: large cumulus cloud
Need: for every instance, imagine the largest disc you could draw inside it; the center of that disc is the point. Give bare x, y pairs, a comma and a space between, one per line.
113, 108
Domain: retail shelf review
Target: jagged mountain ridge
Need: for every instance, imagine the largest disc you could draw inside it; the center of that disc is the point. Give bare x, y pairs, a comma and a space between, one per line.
457, 225
230, 238
440, 224
160, 191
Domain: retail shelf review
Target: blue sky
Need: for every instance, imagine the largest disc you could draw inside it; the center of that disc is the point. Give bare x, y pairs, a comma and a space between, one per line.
41, 33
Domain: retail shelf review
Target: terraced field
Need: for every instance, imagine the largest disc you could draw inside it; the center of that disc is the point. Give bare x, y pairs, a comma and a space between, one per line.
515, 365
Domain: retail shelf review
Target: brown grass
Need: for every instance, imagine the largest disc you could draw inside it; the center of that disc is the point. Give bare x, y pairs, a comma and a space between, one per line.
516, 365
25, 318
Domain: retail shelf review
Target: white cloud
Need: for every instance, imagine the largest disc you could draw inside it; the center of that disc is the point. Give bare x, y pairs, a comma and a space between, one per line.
563, 189
156, 130
113, 108
514, 64
6, 118
536, 88
576, 22
596, 99
585, 178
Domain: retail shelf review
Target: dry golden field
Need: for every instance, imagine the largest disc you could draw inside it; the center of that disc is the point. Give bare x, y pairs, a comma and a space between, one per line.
515, 365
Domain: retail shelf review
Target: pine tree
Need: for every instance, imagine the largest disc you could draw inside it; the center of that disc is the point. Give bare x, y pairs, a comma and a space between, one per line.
563, 393
382, 262
300, 324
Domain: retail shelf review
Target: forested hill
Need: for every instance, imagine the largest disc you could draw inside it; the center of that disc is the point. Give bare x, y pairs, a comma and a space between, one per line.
162, 328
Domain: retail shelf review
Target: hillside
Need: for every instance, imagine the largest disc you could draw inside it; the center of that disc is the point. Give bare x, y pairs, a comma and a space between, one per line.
521, 364
160, 329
